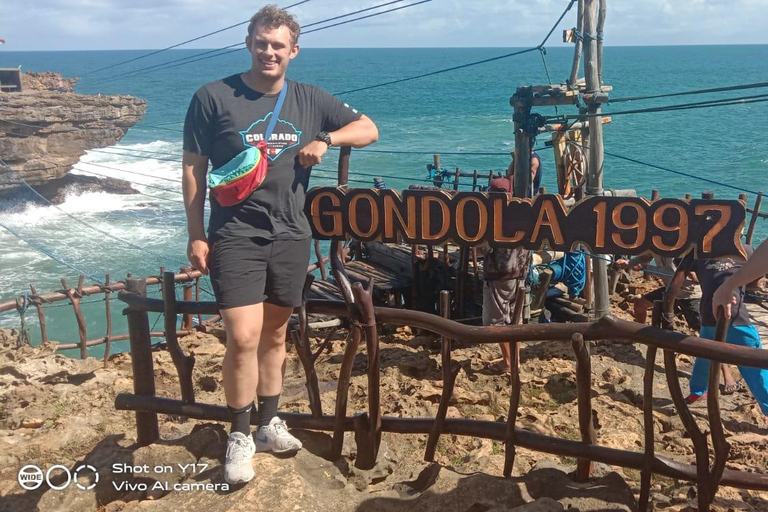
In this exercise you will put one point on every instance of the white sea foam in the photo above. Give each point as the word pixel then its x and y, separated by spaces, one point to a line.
pixel 74 231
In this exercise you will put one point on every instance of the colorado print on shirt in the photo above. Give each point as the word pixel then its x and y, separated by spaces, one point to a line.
pixel 285 136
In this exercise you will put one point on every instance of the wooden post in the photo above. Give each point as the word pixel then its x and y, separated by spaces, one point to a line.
pixel 320 263
pixel 186 320
pixel 584 387
pixel 108 333
pixel 40 313
pixel 755 216
pixel 654 194
pixel 74 298
pixel 436 160
pixel 147 430
pixel 456 179
pixel 599 34
pixel 343 168
pixel 449 380
pixel 184 363
pixel 522 182
pixel 595 170
pixel 578 46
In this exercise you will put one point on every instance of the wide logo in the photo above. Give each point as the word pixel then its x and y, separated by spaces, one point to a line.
pixel 284 137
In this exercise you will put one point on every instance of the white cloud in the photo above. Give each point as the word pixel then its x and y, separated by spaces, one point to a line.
pixel 124 24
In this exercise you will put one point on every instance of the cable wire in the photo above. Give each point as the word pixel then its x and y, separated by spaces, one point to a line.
pixel 740 87
pixel 182 43
pixel 207 54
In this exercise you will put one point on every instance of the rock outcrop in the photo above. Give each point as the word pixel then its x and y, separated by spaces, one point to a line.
pixel 45 129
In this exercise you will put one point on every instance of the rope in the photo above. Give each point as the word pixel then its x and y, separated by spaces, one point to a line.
pixel 22 304
pixel 182 43
pixel 543 52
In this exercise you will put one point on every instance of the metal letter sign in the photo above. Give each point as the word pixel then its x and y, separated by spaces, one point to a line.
pixel 608 225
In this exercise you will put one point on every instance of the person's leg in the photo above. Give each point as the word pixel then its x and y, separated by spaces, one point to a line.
pixel 700 373
pixel 238 275
pixel 755 378
pixel 286 275
pixel 240 378
pixel 644 303
pixel 498 307
pixel 690 310
pixel 240 369
pixel 271 357
pixel 730 386
pixel 641 307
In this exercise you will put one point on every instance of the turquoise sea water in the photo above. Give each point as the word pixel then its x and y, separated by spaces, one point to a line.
pixel 462 111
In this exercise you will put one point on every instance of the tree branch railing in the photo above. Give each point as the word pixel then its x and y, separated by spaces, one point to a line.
pixel 369 425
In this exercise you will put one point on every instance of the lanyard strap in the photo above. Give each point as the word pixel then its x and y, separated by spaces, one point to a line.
pixel 276 112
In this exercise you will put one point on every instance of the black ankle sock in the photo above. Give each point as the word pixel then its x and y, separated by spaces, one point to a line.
pixel 241 419
pixel 267 406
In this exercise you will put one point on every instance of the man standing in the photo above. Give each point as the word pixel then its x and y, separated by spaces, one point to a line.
pixel 257 251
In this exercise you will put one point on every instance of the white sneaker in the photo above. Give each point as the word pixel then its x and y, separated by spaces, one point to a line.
pixel 238 468
pixel 276 438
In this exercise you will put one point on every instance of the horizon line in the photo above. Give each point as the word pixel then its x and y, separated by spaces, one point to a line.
pixel 558 46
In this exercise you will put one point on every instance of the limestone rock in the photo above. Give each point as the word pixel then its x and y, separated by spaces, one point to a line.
pixel 47 128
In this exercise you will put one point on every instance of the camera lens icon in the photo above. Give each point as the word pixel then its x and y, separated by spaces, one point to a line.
pixel 30 477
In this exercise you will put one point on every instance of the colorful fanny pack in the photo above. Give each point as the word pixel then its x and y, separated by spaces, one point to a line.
pixel 234 181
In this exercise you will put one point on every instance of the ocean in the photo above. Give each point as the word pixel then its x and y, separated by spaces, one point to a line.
pixel 463 111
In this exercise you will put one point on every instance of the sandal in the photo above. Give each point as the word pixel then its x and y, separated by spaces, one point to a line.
pixel 500 367
pixel 730 389
pixel 694 398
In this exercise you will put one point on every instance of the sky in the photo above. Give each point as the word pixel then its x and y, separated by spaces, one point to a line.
pixel 150 24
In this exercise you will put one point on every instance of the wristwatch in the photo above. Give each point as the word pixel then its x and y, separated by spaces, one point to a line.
pixel 324 137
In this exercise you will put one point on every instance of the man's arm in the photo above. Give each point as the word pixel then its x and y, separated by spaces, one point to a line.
pixel 754 268
pixel 636 263
pixel 357 134
pixel 194 171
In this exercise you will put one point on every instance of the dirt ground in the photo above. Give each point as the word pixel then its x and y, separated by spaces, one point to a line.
pixel 55 410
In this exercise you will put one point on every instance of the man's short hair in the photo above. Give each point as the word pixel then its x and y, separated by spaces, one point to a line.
pixel 271 16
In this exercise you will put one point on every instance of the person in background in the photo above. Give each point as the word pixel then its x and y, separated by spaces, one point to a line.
pixel 536 171
pixel 504 272
pixel 712 275
pixel 755 268
pixel 688 298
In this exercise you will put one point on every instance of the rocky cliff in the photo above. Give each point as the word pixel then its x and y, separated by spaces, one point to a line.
pixel 45 129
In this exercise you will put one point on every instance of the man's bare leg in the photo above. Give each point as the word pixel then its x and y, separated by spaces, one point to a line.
pixel 271 349
pixel 641 310
pixel 240 376
pixel 272 434
pixel 240 369
pixel 730 386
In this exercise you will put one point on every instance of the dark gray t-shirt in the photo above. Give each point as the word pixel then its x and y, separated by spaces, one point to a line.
pixel 226 117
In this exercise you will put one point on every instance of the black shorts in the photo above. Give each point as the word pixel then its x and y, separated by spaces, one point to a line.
pixel 688 307
pixel 247 271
